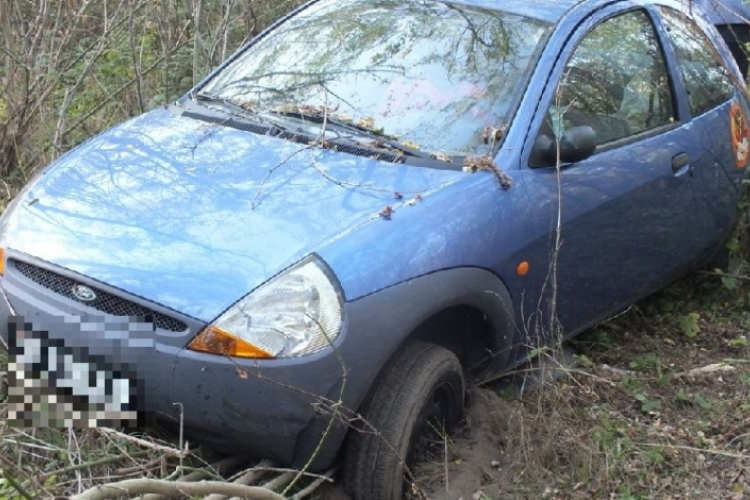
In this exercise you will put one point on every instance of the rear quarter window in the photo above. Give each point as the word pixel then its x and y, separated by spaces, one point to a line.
pixel 706 79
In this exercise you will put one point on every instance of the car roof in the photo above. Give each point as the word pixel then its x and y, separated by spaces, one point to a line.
pixel 545 10
pixel 725 11
pixel 717 11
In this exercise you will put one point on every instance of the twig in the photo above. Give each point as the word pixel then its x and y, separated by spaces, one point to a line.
pixel 334 407
pixel 618 372
pixel 314 485
pixel 255 202
pixel 182 427
pixel 698 450
pixel 445 463
pixel 138 468
pixel 10 464
pixel 722 274
pixel 590 375
pixel 318 168
pixel 117 92
pixel 706 370
pixel 324 477
pixel 247 477
pixel 95 463
pixel 280 481
pixel 146 444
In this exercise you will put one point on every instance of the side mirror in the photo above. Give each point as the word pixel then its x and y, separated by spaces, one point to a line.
pixel 576 144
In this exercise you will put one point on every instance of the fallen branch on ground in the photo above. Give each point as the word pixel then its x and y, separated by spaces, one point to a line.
pixel 95 463
pixel 161 487
pixel 168 450
pixel 706 370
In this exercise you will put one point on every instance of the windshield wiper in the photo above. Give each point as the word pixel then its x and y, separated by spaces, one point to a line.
pixel 238 110
pixel 224 102
pixel 381 140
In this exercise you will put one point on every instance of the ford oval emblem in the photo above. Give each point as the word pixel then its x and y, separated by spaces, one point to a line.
pixel 84 293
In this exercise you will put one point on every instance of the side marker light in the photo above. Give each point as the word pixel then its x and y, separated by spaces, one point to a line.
pixel 522 268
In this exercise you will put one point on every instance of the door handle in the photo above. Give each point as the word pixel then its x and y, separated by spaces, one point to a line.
pixel 681 164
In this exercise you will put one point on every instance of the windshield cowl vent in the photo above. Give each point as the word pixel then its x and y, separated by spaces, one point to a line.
pixel 231 122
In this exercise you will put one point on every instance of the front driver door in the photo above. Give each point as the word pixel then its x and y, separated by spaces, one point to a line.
pixel 626 211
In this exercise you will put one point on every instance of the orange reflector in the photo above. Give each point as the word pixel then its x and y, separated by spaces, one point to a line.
pixel 2 261
pixel 522 268
pixel 217 341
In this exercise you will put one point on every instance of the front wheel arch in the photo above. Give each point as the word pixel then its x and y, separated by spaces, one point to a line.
pixel 438 307
pixel 378 325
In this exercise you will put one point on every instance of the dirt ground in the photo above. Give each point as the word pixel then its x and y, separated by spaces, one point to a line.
pixel 656 406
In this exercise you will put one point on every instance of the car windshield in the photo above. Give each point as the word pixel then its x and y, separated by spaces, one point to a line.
pixel 432 74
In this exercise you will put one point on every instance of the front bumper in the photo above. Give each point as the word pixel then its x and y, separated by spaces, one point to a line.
pixel 275 409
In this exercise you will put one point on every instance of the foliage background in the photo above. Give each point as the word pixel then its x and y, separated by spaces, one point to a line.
pixel 71 68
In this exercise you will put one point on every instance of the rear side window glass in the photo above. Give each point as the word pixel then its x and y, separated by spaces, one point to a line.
pixel 706 80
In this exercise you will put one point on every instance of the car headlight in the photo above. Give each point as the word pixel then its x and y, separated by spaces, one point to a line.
pixel 294 314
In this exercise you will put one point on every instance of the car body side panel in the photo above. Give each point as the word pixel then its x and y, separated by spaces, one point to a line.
pixel 719 181
pixel 718 185
pixel 626 227
pixel 628 220
pixel 472 222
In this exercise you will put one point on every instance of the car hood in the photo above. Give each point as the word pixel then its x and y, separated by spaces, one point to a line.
pixel 194 215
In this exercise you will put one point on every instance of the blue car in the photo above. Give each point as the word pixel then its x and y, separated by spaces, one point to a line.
pixel 307 256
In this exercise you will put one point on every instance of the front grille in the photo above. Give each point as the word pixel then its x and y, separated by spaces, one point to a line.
pixel 104 301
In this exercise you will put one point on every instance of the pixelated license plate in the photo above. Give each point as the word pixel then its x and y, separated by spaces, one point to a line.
pixel 51 384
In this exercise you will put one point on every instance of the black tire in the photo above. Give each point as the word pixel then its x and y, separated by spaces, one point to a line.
pixel 421 388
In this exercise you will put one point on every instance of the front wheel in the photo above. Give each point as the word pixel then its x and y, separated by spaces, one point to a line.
pixel 419 393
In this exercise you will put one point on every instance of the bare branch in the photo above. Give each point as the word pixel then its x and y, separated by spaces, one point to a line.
pixel 161 487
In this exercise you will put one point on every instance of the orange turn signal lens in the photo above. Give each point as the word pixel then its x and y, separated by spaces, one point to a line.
pixel 216 341
pixel 2 261
pixel 523 268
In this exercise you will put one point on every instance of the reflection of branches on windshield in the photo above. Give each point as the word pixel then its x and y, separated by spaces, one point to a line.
pixel 245 86
pixel 259 89
pixel 296 101
pixel 482 35
pixel 321 74
pixel 470 25
pixel 337 96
